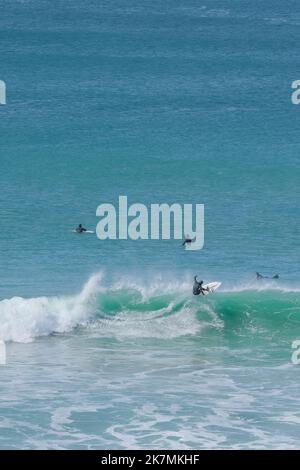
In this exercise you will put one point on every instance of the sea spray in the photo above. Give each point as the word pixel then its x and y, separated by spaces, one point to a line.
pixel 24 319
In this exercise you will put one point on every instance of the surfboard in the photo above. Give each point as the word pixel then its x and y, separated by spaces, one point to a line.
pixel 211 286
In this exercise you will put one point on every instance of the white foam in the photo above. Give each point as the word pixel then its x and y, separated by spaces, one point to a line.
pixel 24 319
pixel 128 324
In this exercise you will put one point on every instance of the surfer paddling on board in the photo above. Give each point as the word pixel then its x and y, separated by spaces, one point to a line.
pixel 80 229
pixel 197 287
pixel 187 240
pixel 260 276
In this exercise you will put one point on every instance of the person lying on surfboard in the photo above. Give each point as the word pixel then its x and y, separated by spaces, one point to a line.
pixel 197 287
pixel 260 276
pixel 80 229
pixel 187 240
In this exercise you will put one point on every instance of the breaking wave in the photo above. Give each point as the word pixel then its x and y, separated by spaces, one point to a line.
pixel 161 310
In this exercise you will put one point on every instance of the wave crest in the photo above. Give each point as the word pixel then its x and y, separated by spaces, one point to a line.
pixel 156 309
pixel 24 319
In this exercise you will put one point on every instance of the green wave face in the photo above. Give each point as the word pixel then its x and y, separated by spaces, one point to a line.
pixel 246 315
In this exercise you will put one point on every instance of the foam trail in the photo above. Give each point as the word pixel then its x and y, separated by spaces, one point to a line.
pixel 150 325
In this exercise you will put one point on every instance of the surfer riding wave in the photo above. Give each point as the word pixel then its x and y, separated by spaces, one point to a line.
pixel 198 287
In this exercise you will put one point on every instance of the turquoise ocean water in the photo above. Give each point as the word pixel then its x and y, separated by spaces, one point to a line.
pixel 162 101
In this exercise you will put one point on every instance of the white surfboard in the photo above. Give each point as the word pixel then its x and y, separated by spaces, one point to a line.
pixel 211 286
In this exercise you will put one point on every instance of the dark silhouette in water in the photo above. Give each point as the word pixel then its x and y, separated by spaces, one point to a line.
pixel 197 287
pixel 80 229
pixel 260 276
pixel 187 240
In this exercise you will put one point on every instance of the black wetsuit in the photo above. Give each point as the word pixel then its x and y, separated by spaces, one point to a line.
pixel 197 287
pixel 80 229
pixel 187 240
pixel 260 276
